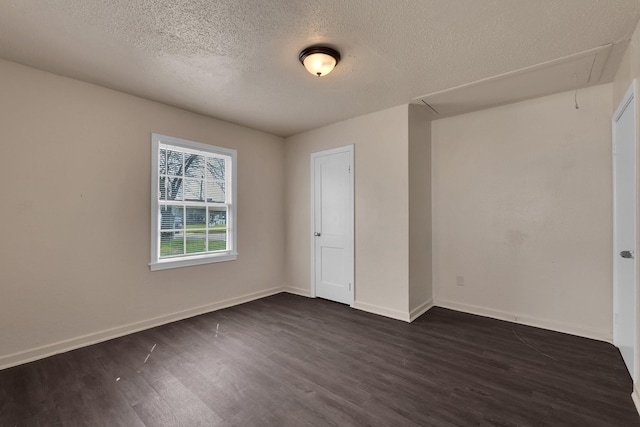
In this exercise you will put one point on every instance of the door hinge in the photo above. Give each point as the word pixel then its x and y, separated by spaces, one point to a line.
pixel 349 168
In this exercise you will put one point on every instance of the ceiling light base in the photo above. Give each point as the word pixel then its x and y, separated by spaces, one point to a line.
pixel 319 60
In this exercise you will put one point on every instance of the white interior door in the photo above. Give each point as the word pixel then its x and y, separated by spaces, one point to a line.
pixel 625 214
pixel 332 224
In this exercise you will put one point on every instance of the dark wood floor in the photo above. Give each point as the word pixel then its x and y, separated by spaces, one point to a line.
pixel 292 361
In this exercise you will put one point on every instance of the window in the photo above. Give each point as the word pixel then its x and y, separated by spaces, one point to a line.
pixel 193 211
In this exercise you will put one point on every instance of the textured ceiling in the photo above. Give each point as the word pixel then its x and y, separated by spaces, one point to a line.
pixel 237 60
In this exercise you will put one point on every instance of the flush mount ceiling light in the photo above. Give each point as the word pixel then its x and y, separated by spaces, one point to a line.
pixel 319 60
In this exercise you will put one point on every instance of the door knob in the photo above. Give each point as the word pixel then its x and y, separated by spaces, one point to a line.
pixel 317 234
pixel 626 254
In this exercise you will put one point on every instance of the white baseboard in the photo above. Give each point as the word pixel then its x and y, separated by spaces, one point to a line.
pixel 636 397
pixel 26 356
pixel 599 335
pixel 297 291
pixel 420 310
pixel 382 311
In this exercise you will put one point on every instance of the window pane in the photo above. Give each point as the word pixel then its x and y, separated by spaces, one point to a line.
pixel 162 161
pixel 215 191
pixel 171 217
pixel 166 218
pixel 174 188
pixel 177 213
pixel 196 217
pixel 217 218
pixel 194 190
pixel 174 163
pixel 170 244
pixel 195 241
pixel 217 240
pixel 162 189
pixel 194 166
pixel 215 168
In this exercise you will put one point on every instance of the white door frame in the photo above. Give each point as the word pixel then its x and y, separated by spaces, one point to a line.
pixel 629 97
pixel 351 254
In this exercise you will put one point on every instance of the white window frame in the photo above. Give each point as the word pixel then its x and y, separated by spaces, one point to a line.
pixel 231 253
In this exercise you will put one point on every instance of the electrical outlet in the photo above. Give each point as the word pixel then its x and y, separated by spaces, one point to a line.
pixel 460 280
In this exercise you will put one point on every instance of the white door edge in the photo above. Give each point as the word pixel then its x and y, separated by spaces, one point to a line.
pixel 349 149
pixel 630 96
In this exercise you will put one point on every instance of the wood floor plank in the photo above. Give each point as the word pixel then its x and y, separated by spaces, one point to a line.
pixel 293 361
pixel 84 394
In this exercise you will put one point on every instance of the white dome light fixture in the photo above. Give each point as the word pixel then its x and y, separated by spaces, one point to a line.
pixel 319 60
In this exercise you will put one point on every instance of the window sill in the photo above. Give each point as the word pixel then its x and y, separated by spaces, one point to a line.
pixel 188 261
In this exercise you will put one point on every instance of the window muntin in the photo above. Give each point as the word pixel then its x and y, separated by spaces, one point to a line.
pixel 193 208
